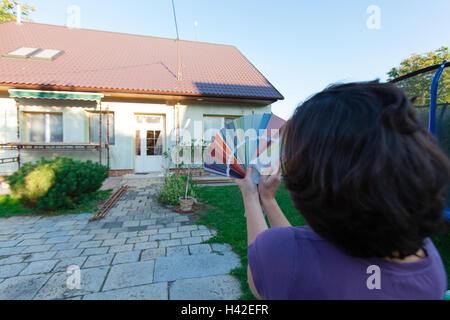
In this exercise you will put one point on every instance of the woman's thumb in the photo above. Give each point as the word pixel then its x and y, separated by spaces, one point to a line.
pixel 249 171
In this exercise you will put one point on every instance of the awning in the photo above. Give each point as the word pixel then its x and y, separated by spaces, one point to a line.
pixel 61 95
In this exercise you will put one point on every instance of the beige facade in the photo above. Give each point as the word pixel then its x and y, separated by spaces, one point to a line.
pixel 74 117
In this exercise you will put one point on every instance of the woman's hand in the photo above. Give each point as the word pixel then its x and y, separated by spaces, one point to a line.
pixel 269 184
pixel 247 186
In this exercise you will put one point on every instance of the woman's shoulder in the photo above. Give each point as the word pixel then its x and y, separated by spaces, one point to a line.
pixel 290 233
pixel 283 242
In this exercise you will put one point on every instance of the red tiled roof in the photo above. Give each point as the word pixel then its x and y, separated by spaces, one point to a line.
pixel 98 60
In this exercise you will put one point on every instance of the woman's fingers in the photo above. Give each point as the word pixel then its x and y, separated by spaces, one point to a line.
pixel 248 174
pixel 264 179
pixel 279 170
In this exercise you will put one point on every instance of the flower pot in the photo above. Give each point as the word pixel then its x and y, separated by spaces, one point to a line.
pixel 186 204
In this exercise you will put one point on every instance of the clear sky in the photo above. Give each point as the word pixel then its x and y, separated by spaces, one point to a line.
pixel 300 46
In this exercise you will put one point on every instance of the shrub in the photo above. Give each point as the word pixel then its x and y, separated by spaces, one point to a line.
pixel 174 188
pixel 56 184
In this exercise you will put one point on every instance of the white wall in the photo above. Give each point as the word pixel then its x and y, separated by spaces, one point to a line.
pixel 190 113
pixel 122 153
pixel 8 131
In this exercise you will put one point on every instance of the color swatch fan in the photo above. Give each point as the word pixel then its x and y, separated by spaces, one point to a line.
pixel 251 140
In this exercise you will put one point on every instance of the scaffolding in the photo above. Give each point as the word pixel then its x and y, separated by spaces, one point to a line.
pixel 59 146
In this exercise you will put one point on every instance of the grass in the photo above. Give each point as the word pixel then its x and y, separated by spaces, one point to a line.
pixel 223 210
pixel 10 206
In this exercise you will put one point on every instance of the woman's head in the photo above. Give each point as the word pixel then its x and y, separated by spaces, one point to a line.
pixel 362 170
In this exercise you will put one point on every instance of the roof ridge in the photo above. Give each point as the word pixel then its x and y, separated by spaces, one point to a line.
pixel 120 33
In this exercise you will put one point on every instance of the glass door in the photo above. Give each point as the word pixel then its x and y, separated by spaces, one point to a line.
pixel 149 143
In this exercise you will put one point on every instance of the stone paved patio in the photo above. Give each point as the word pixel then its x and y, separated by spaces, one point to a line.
pixel 139 251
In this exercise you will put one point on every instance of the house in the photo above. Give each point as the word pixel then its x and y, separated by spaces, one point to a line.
pixel 120 99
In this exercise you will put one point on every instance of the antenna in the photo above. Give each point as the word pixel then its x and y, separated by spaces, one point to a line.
pixel 178 42
pixel 196 30
pixel 175 18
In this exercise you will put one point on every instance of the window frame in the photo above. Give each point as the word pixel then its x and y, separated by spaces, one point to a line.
pixel 112 123
pixel 155 140
pixel 216 116
pixel 46 125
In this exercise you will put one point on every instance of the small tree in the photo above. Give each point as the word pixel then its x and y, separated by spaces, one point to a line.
pixel 419 86
pixel 179 186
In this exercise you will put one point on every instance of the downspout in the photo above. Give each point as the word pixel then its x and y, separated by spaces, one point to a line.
pixel 107 135
pixel 178 123
pixel 99 103
pixel 18 131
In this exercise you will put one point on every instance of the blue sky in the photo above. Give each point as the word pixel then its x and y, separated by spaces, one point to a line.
pixel 300 46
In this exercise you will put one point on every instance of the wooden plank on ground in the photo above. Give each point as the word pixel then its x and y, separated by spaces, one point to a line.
pixel 109 204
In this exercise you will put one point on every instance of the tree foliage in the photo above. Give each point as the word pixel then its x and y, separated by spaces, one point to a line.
pixel 8 11
pixel 419 86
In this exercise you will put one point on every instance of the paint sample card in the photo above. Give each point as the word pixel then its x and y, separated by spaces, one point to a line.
pixel 251 140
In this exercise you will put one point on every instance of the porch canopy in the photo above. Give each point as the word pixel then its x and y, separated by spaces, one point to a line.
pixel 61 95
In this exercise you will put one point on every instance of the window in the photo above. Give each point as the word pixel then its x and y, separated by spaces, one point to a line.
pixel 44 127
pixel 137 142
pixel 47 54
pixel 154 143
pixel 212 125
pixel 94 119
pixel 34 53
pixel 147 119
pixel 21 53
pixel 148 142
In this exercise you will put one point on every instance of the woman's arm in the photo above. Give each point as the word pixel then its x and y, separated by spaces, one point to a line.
pixel 253 211
pixel 267 187
pixel 255 218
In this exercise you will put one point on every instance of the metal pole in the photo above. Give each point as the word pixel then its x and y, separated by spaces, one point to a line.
pixel 107 133
pixel 441 118
pixel 433 98
pixel 178 42
pixel 100 131
pixel 177 128
pixel 18 131
pixel 178 61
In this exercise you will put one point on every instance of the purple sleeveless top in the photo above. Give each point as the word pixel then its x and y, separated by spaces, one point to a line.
pixel 296 263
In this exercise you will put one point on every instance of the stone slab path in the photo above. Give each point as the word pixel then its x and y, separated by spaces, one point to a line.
pixel 139 251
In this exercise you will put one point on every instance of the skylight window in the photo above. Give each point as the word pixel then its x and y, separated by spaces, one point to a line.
pixel 46 54
pixel 22 53
pixel 34 54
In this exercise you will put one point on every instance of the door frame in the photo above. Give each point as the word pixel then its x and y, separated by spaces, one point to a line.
pixel 164 129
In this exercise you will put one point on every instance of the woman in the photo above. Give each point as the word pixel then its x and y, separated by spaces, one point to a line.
pixel 370 182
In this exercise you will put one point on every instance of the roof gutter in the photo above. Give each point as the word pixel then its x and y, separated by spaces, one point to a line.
pixel 142 94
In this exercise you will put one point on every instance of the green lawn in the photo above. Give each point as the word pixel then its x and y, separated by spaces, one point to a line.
pixel 10 206
pixel 224 211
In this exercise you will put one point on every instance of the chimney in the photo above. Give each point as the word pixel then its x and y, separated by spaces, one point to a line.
pixel 19 13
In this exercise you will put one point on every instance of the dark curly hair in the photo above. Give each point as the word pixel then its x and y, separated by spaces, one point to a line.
pixel 363 171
